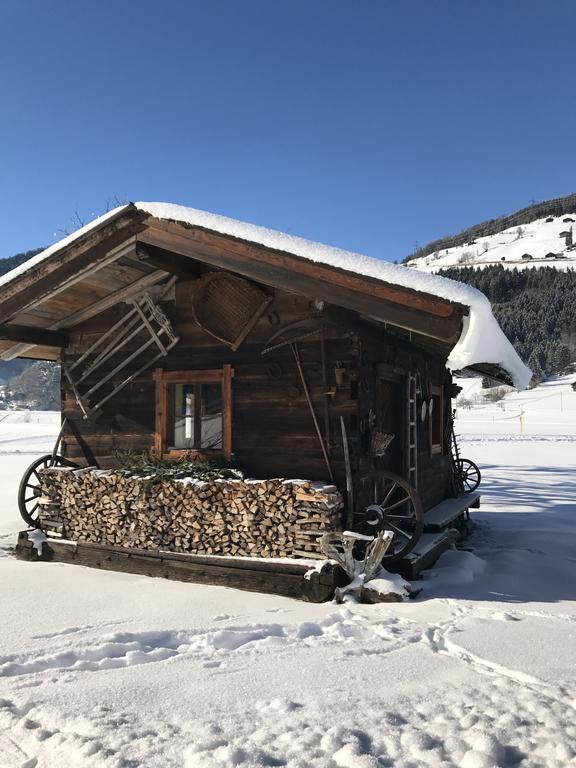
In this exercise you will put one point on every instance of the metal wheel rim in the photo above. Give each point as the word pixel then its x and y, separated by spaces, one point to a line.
pixel 29 490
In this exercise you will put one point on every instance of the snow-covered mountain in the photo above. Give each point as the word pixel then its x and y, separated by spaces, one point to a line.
pixel 549 241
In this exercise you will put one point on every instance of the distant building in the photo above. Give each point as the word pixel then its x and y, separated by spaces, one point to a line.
pixel 526 257
pixel 568 220
pixel 551 255
pixel 550 219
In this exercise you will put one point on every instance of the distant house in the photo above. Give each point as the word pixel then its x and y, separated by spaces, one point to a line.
pixel 503 258
pixel 550 219
pixel 568 235
pixel 574 386
pixel 551 255
pixel 526 257
pixel 568 220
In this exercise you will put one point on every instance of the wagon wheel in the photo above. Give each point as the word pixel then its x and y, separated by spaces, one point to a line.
pixel 29 490
pixel 467 475
pixel 398 507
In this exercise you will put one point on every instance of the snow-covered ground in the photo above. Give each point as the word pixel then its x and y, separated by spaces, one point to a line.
pixel 538 239
pixel 546 410
pixel 104 669
pixel 28 431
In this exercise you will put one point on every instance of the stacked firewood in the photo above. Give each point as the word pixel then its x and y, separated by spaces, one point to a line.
pixel 254 518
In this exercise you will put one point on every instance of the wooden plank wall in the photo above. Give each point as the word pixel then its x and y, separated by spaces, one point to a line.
pixel 273 432
pixel 401 357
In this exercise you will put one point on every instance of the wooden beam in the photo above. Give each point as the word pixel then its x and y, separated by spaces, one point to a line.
pixel 271 257
pixel 117 297
pixel 166 260
pixel 401 307
pixel 34 336
pixel 253 574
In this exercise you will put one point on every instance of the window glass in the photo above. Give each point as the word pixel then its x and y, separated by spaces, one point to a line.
pixel 183 415
pixel 197 416
pixel 211 416
pixel 436 420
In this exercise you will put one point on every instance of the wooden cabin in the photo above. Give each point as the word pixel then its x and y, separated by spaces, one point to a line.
pixel 184 334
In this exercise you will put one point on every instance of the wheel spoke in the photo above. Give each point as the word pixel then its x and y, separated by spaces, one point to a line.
pixel 396 504
pixel 400 531
pixel 389 494
pixel 400 517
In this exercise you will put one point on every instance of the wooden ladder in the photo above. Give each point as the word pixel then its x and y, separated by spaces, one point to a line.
pixel 411 432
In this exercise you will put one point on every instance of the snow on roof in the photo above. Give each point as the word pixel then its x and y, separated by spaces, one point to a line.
pixel 481 341
pixel 26 266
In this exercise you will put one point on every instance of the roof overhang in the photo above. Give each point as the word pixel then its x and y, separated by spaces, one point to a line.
pixel 129 251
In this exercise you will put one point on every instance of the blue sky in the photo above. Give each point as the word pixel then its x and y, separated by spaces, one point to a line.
pixel 367 124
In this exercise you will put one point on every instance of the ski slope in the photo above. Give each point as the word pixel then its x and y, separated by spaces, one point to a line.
pixel 110 670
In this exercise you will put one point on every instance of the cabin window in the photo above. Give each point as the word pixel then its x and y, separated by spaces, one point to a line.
pixel 436 420
pixel 193 413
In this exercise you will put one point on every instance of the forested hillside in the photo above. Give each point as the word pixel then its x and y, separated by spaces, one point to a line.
pixel 559 206
pixel 536 309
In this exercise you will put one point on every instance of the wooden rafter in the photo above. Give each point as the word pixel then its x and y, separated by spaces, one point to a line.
pixel 117 297
pixel 61 271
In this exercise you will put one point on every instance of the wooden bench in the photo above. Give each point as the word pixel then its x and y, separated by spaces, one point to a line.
pixel 443 514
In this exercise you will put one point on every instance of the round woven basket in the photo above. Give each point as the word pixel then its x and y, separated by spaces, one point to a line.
pixel 225 304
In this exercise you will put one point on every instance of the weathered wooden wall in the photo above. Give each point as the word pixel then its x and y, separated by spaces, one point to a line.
pixel 390 356
pixel 273 433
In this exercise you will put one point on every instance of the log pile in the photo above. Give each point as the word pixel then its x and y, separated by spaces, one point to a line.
pixel 254 518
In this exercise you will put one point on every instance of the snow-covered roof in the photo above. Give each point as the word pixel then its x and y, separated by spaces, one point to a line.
pixel 481 341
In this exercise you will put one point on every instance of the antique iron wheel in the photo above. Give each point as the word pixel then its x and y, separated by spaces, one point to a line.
pixel 390 503
pixel 467 475
pixel 29 491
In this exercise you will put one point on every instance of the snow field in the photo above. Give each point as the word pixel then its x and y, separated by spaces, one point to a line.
pixel 547 410
pixel 537 239
pixel 108 670
pixel 28 431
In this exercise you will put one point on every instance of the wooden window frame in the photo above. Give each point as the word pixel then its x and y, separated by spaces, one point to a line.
pixel 437 449
pixel 164 381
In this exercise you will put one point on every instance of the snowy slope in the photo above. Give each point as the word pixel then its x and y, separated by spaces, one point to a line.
pixel 548 409
pixel 109 670
pixel 537 239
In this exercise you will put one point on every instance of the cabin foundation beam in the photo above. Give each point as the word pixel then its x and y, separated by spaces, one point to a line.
pixel 288 579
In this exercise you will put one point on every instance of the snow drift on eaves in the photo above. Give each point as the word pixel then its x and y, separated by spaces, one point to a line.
pixel 481 341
